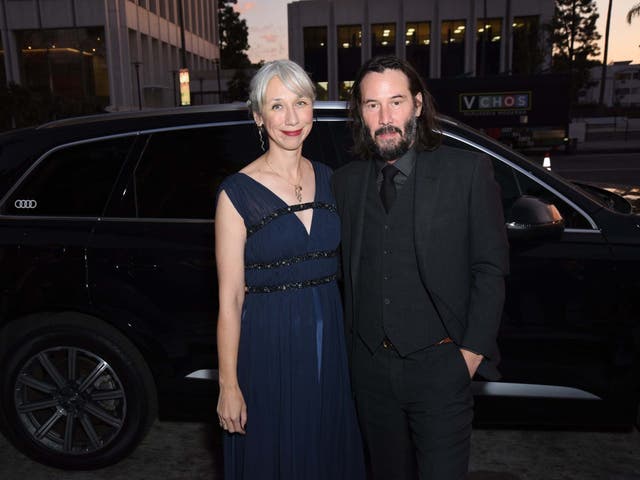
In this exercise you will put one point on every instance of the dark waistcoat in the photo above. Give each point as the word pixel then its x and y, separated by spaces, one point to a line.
pixel 392 300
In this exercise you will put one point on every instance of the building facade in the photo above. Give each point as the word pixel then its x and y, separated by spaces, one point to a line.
pixel 441 38
pixel 106 54
pixel 621 87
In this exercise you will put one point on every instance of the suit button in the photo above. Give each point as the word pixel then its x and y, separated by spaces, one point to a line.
pixel 385 277
pixel 387 301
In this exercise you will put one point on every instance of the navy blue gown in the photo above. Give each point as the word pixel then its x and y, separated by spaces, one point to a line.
pixel 292 365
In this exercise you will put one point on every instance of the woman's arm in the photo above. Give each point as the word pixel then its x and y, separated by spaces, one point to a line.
pixel 231 237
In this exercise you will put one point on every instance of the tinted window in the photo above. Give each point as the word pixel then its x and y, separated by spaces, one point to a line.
pixel 179 172
pixel 514 184
pixel 572 218
pixel 75 181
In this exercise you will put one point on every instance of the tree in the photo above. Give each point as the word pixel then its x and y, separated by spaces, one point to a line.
pixel 234 36
pixel 573 37
pixel 633 12
pixel 238 87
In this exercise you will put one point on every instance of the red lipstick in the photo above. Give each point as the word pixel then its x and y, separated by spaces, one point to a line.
pixel 292 133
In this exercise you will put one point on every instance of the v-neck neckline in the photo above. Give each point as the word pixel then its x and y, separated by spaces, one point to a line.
pixel 281 200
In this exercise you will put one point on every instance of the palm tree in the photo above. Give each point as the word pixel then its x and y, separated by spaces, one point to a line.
pixel 603 75
pixel 633 12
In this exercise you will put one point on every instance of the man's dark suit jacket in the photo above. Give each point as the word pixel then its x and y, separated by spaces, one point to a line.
pixel 460 239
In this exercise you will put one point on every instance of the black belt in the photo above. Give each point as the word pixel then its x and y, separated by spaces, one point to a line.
pixel 387 345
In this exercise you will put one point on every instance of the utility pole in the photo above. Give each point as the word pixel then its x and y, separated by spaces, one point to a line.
pixel 217 62
pixel 183 48
pixel 137 67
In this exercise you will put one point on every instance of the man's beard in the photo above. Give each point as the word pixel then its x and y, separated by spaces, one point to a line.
pixel 395 151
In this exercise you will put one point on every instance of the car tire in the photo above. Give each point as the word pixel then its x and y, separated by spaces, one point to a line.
pixel 75 392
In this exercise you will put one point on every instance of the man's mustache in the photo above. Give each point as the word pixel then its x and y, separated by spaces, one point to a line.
pixel 388 129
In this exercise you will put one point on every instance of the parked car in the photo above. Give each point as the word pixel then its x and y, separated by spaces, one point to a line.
pixel 109 298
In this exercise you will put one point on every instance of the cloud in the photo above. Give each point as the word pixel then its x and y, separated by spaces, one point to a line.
pixel 271 37
pixel 244 7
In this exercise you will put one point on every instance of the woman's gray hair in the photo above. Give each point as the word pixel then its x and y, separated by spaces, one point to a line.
pixel 290 73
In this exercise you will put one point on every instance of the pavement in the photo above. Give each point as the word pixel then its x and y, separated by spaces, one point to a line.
pixel 630 144
pixel 184 450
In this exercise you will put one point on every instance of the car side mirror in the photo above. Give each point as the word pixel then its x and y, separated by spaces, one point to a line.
pixel 530 218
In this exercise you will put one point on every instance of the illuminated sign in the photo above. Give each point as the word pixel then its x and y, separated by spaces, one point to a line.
pixel 514 102
pixel 185 95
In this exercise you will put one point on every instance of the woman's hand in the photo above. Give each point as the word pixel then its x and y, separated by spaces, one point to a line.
pixel 232 410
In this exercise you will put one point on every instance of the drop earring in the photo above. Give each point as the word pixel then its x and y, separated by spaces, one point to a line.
pixel 261 139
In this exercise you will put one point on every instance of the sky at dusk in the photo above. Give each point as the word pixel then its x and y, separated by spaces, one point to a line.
pixel 267 22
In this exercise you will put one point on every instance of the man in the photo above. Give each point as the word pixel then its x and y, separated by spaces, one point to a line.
pixel 424 254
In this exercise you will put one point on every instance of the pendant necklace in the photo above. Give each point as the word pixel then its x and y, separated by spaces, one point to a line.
pixel 297 187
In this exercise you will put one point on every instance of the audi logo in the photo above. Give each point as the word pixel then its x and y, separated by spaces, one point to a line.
pixel 25 204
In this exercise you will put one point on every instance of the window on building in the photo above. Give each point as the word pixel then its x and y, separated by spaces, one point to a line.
pixel 188 15
pixel 162 4
pixel 452 52
pixel 383 39
pixel 418 46
pixel 153 6
pixel 527 52
pixel 3 73
pixel 172 11
pixel 315 58
pixel 488 42
pixel 142 3
pixel 68 64
pixel 349 57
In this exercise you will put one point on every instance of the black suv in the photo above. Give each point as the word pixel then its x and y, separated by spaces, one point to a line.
pixel 108 285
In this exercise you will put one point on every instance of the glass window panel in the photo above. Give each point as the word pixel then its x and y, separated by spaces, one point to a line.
pixel 514 184
pixel 315 58
pixel 418 46
pixel 168 186
pixel 527 52
pixel 452 35
pixel 72 182
pixel 383 39
pixel 488 42
pixel 172 11
pixel 349 57
pixel 68 64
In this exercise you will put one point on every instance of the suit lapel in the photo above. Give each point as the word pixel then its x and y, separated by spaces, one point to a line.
pixel 359 195
pixel 427 180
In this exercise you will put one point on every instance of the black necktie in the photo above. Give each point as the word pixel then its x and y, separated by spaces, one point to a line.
pixel 388 187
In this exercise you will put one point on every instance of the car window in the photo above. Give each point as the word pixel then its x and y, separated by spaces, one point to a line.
pixel 180 170
pixel 72 182
pixel 514 184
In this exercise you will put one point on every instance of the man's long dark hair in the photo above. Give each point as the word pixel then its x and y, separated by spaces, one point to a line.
pixel 428 135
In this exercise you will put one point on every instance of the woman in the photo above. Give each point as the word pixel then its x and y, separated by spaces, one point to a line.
pixel 285 400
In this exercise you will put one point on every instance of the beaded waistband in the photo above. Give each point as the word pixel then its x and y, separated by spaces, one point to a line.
pixel 285 262
pixel 290 286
